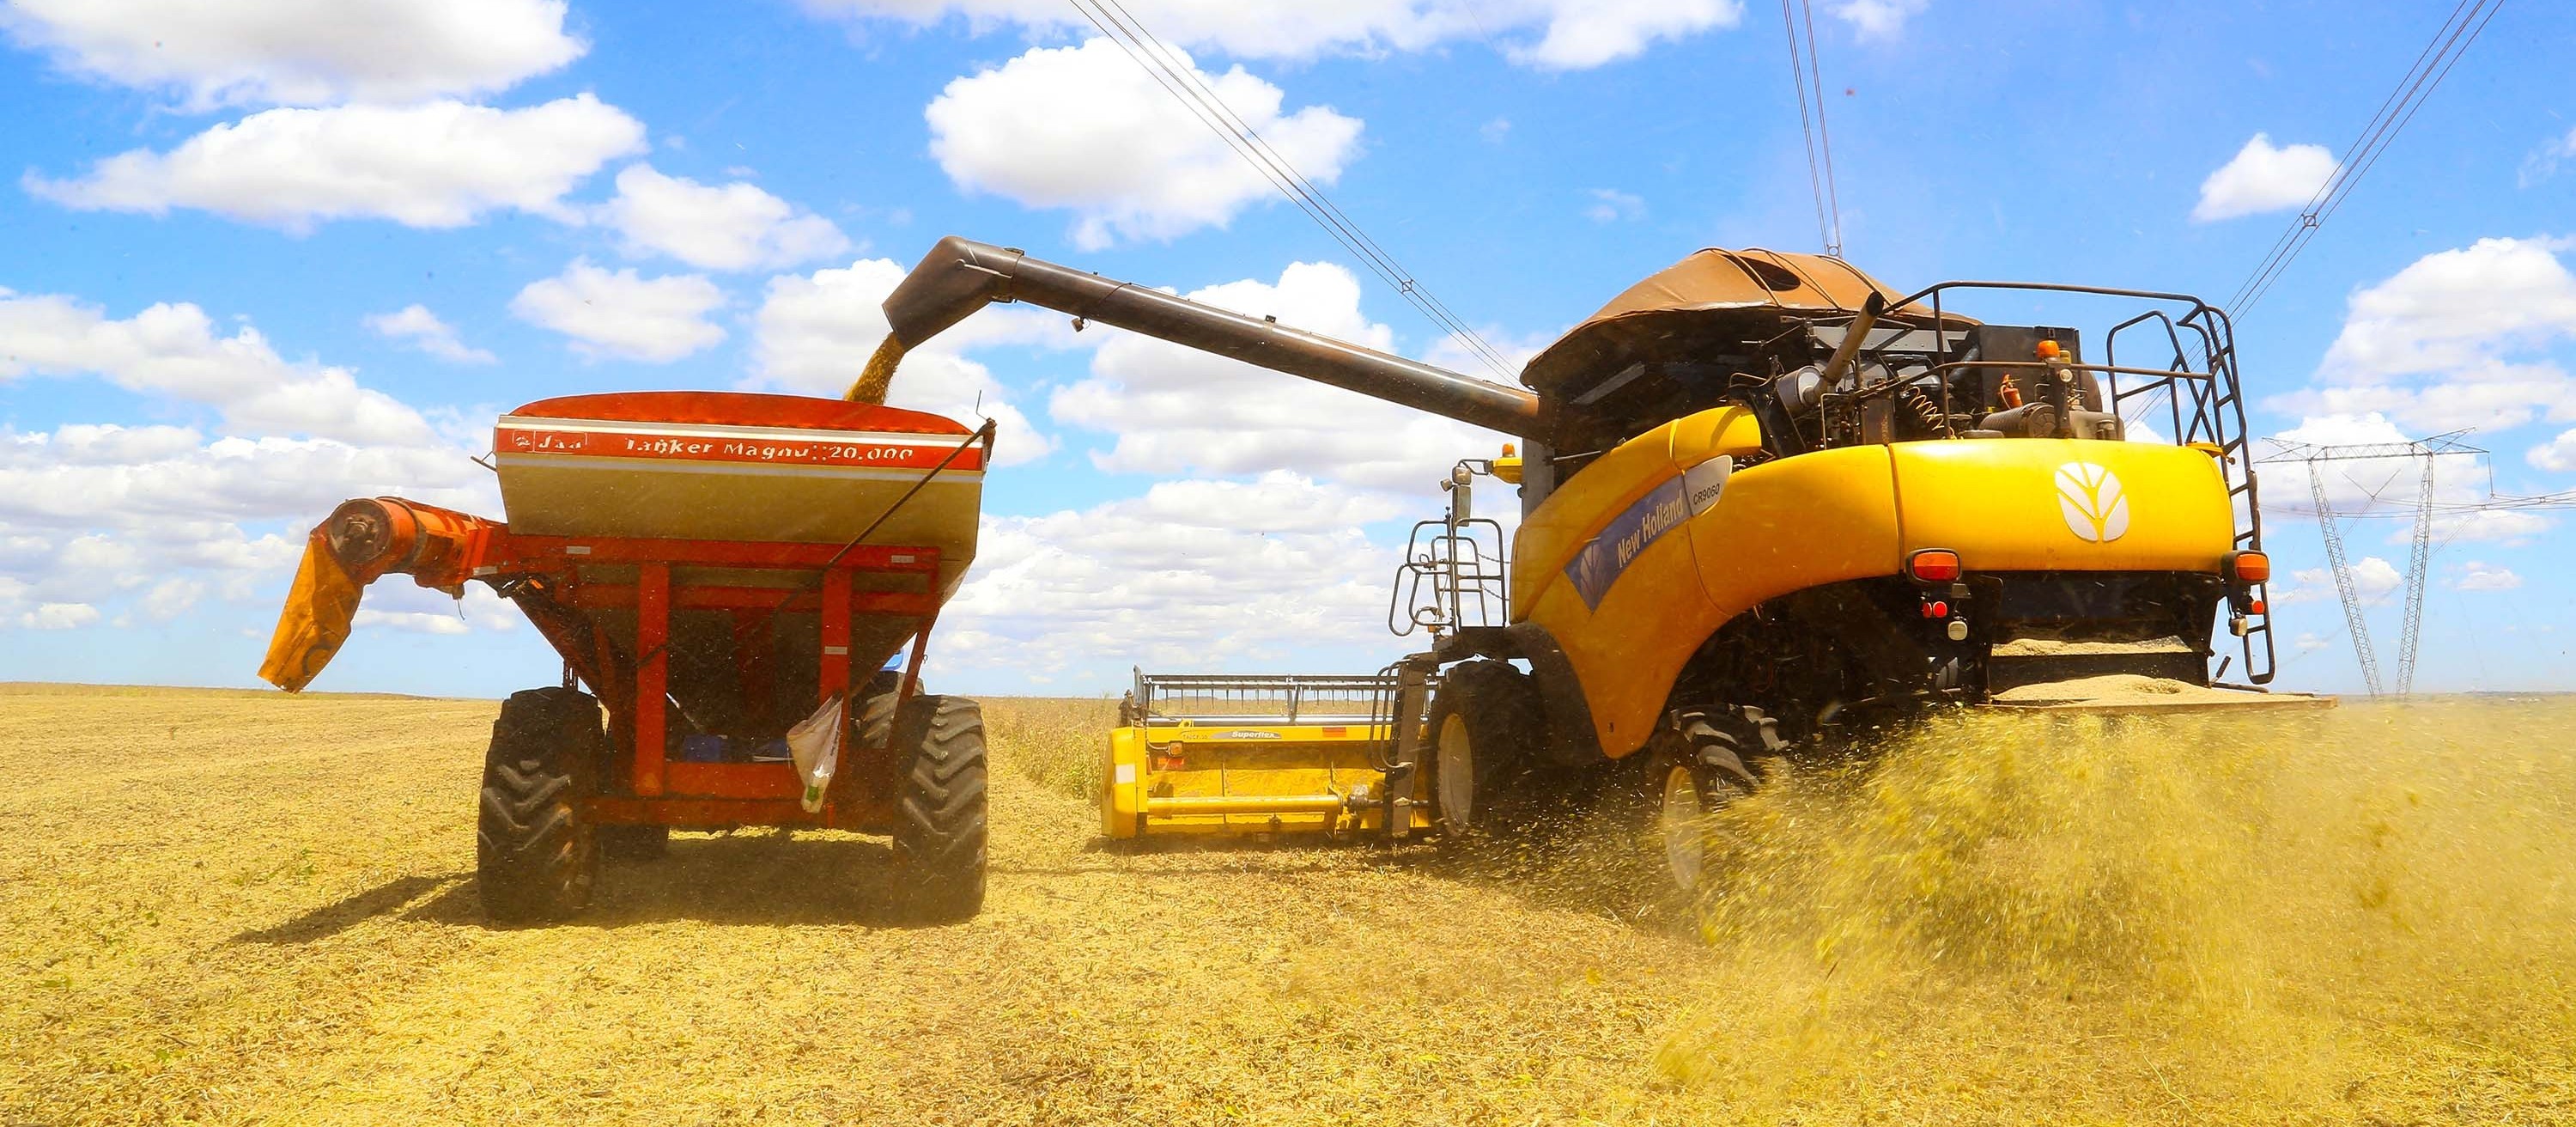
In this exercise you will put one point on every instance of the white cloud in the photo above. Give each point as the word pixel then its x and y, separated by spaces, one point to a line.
pixel 436 164
pixel 2557 454
pixel 174 351
pixel 1549 34
pixel 2456 339
pixel 1610 205
pixel 733 227
pixel 2543 162
pixel 1877 19
pixel 1177 410
pixel 1194 574
pixel 1084 129
pixel 2263 178
pixel 59 616
pixel 655 320
pixel 417 326
pixel 2372 579
pixel 159 517
pixel 415 609
pixel 299 52
pixel 814 332
pixel 2478 575
pixel 172 598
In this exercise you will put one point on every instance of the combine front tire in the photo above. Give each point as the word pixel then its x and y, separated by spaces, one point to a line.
pixel 939 824
pixel 535 852
pixel 1700 764
pixel 1486 724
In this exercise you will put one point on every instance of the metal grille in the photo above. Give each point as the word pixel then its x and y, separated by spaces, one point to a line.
pixel 1204 698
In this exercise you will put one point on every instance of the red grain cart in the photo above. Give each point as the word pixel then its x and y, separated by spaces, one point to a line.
pixel 719 571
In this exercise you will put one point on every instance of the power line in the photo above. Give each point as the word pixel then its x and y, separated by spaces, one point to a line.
pixel 1807 75
pixel 2468 19
pixel 1179 78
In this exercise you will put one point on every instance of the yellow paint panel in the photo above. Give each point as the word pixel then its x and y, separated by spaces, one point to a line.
pixel 1550 537
pixel 2064 504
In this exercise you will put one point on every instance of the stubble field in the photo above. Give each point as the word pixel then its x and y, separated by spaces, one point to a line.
pixel 223 907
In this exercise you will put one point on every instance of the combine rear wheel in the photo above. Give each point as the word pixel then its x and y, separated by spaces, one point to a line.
pixel 1486 775
pixel 939 825
pixel 535 853
pixel 1699 764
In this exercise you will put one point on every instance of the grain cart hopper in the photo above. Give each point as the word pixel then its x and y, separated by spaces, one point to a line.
pixel 1767 504
pixel 721 571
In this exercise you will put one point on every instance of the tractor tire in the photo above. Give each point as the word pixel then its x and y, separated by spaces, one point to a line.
pixel 1488 776
pixel 1698 765
pixel 634 843
pixel 939 832
pixel 535 852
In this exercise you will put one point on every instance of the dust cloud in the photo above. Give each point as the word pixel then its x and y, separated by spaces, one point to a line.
pixel 2357 913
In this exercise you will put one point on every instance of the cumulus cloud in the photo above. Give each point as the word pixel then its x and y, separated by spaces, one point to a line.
pixel 435 164
pixel 814 332
pixel 2372 579
pixel 2263 177
pixel 299 52
pixel 59 616
pixel 735 226
pixel 175 351
pixel 1176 410
pixel 2456 339
pixel 622 315
pixel 157 518
pixel 1084 129
pixel 1548 34
pixel 1877 19
pixel 2556 454
pixel 2478 575
pixel 416 326
pixel 1194 574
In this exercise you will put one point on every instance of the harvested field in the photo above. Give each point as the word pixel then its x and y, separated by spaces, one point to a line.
pixel 235 907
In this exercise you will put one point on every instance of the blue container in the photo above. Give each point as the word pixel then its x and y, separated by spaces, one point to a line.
pixel 702 749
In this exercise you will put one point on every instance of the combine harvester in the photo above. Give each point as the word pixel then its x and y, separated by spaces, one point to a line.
pixel 1766 505
pixel 726 573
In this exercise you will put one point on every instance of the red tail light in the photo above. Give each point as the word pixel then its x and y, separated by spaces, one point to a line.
pixel 1933 565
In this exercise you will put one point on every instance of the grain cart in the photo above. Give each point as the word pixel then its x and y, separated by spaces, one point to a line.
pixel 721 572
pixel 1767 504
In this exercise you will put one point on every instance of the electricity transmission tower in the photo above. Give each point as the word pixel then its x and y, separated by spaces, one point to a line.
pixel 2419 555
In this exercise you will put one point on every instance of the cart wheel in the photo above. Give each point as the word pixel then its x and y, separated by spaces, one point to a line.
pixel 535 854
pixel 939 832
pixel 634 843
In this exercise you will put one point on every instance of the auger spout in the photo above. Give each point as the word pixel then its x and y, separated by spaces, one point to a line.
pixel 960 276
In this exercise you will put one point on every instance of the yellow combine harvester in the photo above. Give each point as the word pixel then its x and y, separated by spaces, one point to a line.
pixel 1767 505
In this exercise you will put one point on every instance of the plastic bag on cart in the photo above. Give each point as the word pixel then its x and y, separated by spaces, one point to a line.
pixel 815 744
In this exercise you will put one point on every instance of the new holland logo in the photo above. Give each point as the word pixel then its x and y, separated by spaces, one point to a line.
pixel 2095 507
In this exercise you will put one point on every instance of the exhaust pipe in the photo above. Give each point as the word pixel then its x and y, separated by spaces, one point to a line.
pixel 960 276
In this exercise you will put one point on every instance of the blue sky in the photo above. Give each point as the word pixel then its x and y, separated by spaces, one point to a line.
pixel 259 260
